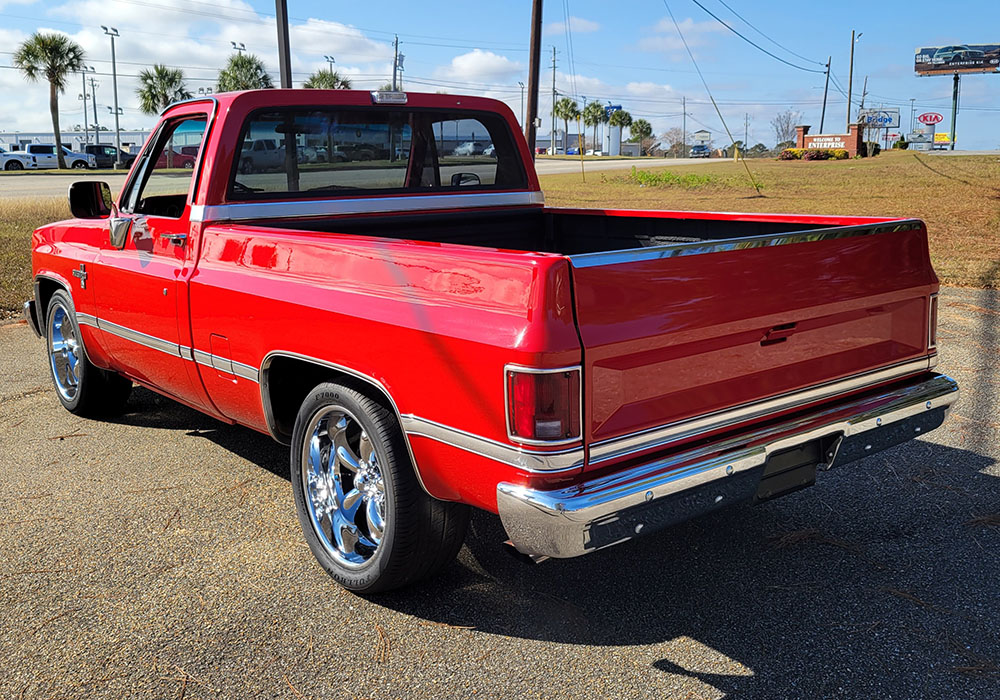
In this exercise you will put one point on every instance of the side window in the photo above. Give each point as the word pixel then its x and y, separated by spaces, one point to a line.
pixel 168 166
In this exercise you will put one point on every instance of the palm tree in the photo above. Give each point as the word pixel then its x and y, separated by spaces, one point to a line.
pixel 327 80
pixel 594 114
pixel 244 72
pixel 641 130
pixel 159 88
pixel 565 109
pixel 53 57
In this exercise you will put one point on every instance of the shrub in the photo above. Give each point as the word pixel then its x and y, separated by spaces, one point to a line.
pixel 791 154
pixel 816 154
pixel 647 178
pixel 901 144
pixel 871 148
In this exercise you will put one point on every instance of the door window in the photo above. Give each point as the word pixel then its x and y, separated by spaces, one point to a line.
pixel 162 187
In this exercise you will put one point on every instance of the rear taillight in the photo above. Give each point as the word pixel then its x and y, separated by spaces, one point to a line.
pixel 932 322
pixel 543 405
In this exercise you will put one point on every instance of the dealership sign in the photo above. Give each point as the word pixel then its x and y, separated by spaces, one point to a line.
pixel 957 58
pixel 880 118
pixel 930 118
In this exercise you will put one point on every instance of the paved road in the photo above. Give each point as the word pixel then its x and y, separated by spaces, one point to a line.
pixel 159 556
pixel 22 185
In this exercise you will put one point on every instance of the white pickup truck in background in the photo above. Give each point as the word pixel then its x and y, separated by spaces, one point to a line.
pixel 16 161
pixel 45 154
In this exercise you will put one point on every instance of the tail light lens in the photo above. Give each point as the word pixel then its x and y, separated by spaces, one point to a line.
pixel 932 322
pixel 543 405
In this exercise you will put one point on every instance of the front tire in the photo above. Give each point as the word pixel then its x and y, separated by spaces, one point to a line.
pixel 364 515
pixel 79 165
pixel 13 165
pixel 82 388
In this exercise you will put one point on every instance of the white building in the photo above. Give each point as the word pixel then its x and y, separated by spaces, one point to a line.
pixel 74 140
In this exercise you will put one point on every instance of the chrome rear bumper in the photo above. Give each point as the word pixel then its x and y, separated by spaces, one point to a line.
pixel 614 508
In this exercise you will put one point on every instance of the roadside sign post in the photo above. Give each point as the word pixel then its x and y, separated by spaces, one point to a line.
pixel 954 110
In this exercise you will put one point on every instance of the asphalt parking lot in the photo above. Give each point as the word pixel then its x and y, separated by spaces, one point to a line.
pixel 159 556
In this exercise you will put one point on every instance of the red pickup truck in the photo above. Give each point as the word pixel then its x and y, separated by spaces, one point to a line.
pixel 427 336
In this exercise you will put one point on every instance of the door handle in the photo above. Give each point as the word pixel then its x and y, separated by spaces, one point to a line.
pixel 178 239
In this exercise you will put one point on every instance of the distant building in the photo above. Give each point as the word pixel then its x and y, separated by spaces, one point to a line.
pixel 74 140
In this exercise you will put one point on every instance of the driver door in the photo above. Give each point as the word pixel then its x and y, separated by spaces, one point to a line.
pixel 140 283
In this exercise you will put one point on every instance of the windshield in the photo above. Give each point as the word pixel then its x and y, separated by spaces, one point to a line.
pixel 312 151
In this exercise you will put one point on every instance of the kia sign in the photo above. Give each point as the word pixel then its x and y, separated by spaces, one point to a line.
pixel 957 58
pixel 930 118
pixel 880 118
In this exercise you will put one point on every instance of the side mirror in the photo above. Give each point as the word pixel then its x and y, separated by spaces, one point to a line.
pixel 460 179
pixel 90 200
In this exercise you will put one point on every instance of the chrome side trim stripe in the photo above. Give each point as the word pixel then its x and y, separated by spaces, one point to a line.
pixel 528 460
pixel 675 250
pixel 143 339
pixel 222 364
pixel 654 438
pixel 246 211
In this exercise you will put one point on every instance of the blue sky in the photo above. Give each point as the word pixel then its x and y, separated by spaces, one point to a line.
pixel 627 53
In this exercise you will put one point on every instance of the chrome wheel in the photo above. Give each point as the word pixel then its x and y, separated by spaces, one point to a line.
pixel 64 353
pixel 344 487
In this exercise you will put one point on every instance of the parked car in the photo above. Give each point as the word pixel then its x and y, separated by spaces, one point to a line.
pixel 45 155
pixel 259 155
pixel 589 375
pixel 16 160
pixel 469 148
pixel 490 151
pixel 105 156
pixel 699 150
pixel 175 159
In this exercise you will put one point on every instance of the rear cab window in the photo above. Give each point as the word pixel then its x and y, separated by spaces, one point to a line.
pixel 299 152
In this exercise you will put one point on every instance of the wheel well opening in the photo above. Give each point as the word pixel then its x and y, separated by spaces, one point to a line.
pixel 46 288
pixel 287 381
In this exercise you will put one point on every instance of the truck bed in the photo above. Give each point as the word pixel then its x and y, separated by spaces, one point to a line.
pixel 683 315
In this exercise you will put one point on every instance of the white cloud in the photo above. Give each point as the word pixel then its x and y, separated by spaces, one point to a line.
pixel 649 89
pixel 576 24
pixel 664 36
pixel 7 3
pixel 480 66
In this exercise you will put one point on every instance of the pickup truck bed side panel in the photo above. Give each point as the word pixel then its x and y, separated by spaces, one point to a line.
pixel 668 338
pixel 433 324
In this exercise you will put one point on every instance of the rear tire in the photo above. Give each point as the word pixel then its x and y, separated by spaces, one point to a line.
pixel 366 518
pixel 82 388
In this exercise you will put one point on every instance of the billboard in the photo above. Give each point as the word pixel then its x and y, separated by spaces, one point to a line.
pixel 957 58
pixel 887 118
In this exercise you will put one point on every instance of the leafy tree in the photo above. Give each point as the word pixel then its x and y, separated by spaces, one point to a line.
pixel 327 80
pixel 565 109
pixel 52 57
pixel 757 151
pixel 160 87
pixel 673 139
pixel 784 125
pixel 594 114
pixel 244 71
pixel 620 118
pixel 641 130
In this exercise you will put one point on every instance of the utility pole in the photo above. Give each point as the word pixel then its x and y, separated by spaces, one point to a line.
pixel 83 96
pixel 284 54
pixel 746 129
pixel 552 131
pixel 850 84
pixel 534 64
pixel 395 59
pixel 912 109
pixel 684 128
pixel 826 89
pixel 112 32
pixel 522 103
pixel 93 94
pixel 954 110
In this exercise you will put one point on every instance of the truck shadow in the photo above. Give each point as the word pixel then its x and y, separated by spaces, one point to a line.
pixel 876 575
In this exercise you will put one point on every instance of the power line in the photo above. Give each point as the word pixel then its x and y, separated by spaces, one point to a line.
pixel 751 42
pixel 785 48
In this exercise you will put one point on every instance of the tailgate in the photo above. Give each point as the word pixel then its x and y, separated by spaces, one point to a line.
pixel 680 331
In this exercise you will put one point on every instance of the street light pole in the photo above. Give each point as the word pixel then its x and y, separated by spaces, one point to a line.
pixel 329 62
pixel 826 89
pixel 93 95
pixel 83 96
pixel 112 32
pixel 522 102
pixel 850 79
